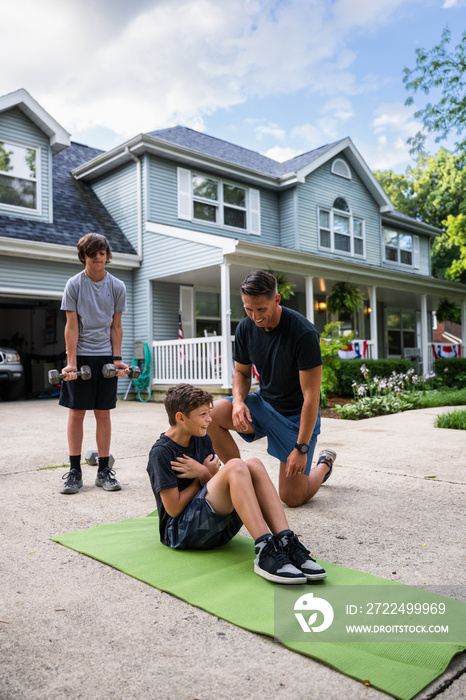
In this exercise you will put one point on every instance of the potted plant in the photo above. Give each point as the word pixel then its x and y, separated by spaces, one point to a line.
pixel 345 297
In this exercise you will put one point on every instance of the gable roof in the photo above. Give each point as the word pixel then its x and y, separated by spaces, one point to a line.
pixel 194 148
pixel 223 150
pixel 76 209
pixel 58 136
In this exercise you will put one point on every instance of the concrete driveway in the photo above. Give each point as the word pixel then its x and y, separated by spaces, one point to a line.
pixel 73 627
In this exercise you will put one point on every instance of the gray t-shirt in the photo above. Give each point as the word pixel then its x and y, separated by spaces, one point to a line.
pixel 95 304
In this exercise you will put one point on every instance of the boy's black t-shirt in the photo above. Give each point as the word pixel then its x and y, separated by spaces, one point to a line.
pixel 162 476
pixel 279 355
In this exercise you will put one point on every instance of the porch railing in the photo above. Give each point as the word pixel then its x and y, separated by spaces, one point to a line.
pixel 191 360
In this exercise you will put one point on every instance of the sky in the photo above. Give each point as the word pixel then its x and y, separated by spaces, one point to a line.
pixel 280 77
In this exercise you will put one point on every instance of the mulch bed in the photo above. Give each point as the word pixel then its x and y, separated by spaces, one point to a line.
pixel 329 411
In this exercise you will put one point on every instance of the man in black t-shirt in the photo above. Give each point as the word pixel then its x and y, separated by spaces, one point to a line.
pixel 284 348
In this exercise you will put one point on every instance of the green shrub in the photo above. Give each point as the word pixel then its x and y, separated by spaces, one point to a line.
pixel 330 343
pixel 450 373
pixel 369 406
pixel 350 371
pixel 455 420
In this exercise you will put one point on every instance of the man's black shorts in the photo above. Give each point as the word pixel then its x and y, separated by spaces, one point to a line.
pixel 95 393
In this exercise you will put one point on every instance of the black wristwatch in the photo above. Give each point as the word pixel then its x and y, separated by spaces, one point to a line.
pixel 116 357
pixel 302 447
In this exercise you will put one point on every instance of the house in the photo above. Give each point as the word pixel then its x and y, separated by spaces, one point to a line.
pixel 188 216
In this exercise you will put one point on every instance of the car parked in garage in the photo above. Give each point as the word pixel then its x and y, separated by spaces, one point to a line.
pixel 11 374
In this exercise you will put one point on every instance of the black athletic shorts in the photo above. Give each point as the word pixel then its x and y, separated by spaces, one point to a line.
pixel 95 393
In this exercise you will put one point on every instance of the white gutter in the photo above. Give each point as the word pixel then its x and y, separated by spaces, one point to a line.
pixel 64 253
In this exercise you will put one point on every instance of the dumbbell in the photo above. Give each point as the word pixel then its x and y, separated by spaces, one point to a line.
pixel 92 459
pixel 110 371
pixel 55 376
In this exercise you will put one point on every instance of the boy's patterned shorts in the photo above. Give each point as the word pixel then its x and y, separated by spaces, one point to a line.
pixel 198 527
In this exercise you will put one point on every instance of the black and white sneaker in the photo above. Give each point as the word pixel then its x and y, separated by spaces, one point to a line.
pixel 272 564
pixel 107 481
pixel 73 482
pixel 327 457
pixel 300 556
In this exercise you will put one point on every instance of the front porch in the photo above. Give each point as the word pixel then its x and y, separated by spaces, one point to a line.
pixel 395 320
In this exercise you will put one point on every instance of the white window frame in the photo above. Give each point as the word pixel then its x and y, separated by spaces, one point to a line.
pixel 186 199
pixel 36 180
pixel 341 164
pixel 414 250
pixel 331 211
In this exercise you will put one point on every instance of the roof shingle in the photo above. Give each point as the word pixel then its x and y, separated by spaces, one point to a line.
pixel 76 208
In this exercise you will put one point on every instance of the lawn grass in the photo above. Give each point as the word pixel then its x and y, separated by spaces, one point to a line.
pixel 442 397
pixel 456 420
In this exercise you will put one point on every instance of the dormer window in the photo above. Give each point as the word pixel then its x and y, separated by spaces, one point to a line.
pixel 340 167
pixel 340 231
pixel 18 176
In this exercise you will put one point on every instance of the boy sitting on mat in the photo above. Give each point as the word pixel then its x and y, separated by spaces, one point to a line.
pixel 202 505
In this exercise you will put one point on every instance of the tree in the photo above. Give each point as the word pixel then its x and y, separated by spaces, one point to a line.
pixel 444 70
pixel 434 191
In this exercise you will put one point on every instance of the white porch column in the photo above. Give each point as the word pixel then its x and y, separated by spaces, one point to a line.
pixel 309 298
pixel 373 321
pixel 424 338
pixel 227 359
pixel 463 328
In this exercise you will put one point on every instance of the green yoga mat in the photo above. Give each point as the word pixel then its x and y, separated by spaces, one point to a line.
pixel 221 581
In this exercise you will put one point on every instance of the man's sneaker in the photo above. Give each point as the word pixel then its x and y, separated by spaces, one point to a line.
pixel 327 457
pixel 299 556
pixel 106 479
pixel 73 482
pixel 272 564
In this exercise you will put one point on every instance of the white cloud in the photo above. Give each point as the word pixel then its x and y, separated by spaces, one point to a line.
pixel 340 107
pixel 270 130
pixel 392 126
pixel 453 3
pixel 281 153
pixel 138 66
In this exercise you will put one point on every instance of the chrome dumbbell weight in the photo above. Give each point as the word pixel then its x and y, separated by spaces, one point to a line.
pixel 55 376
pixel 110 371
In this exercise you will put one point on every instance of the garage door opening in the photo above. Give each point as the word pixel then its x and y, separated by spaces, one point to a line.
pixel 35 329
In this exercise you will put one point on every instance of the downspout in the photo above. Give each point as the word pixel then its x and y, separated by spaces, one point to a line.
pixel 139 196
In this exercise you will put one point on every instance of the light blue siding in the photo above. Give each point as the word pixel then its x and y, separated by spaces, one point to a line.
pixel 118 193
pixel 288 218
pixel 165 256
pixel 162 205
pixel 17 128
pixel 321 189
pixel 165 308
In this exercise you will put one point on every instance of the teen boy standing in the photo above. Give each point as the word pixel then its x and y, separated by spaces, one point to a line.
pixel 94 301
pixel 202 506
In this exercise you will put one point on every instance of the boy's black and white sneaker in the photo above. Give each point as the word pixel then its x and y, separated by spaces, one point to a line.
pixel 327 457
pixel 272 564
pixel 73 482
pixel 300 556
pixel 107 481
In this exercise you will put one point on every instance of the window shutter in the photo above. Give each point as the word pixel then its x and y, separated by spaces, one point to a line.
pixel 184 194
pixel 254 212
pixel 416 254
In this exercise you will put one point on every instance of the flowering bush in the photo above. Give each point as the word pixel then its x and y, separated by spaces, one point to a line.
pixel 379 396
